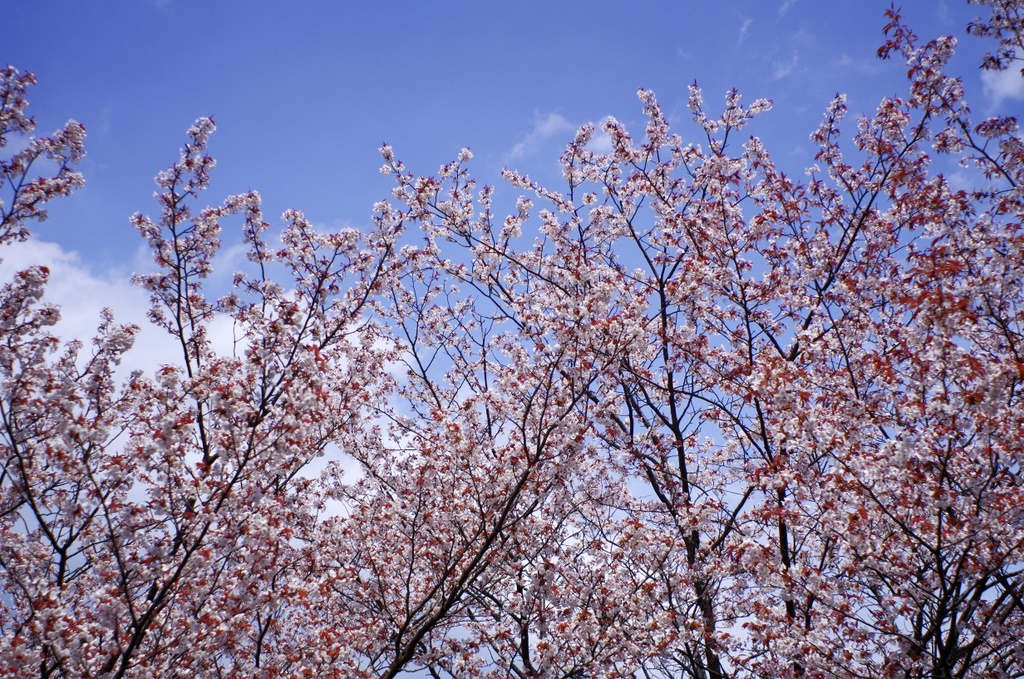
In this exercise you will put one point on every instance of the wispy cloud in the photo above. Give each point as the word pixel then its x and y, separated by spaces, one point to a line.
pixel 783 67
pixel 744 28
pixel 861 65
pixel 104 121
pixel 786 6
pixel 545 127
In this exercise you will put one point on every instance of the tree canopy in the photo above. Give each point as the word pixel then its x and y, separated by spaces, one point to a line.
pixel 682 416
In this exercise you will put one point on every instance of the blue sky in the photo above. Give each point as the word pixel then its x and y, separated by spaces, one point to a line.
pixel 304 93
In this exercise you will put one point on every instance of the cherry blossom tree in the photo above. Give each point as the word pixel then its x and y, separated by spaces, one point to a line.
pixel 686 415
pixel 818 383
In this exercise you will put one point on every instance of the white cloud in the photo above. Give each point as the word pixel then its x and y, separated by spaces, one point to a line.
pixel 786 6
pixel 82 295
pixel 1000 85
pixel 601 142
pixel 227 261
pixel 545 127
